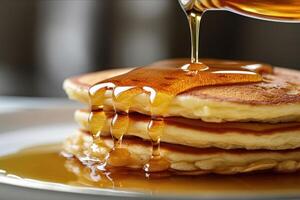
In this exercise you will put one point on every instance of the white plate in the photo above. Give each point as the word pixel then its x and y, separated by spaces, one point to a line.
pixel 27 122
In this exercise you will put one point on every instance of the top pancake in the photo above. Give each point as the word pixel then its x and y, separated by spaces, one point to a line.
pixel 276 99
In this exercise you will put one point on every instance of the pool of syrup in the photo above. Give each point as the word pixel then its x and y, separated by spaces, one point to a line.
pixel 45 163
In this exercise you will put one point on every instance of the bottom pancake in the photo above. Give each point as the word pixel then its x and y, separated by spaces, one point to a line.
pixel 182 159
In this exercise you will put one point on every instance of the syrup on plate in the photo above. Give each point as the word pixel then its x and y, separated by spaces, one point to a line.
pixel 45 163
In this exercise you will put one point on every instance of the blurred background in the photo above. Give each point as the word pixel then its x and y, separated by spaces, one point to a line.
pixel 44 41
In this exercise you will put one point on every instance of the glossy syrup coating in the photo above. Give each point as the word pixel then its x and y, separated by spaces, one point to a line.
pixel 160 82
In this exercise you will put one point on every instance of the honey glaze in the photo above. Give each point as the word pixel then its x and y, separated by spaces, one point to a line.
pixel 161 83
pixel 45 163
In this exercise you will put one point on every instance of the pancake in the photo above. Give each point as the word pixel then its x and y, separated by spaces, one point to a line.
pixel 199 134
pixel 276 99
pixel 185 160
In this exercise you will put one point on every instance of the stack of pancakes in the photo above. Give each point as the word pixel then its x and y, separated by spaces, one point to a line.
pixel 225 129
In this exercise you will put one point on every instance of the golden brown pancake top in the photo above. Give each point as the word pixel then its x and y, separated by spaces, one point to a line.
pixel 282 87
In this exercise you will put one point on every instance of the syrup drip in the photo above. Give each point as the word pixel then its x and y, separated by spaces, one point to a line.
pixel 157 163
pixel 97 120
pixel 194 18
pixel 119 156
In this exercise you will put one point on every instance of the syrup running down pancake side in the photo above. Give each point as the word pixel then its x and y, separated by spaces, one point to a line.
pixel 160 82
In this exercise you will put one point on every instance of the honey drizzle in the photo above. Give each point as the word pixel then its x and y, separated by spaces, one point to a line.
pixel 194 19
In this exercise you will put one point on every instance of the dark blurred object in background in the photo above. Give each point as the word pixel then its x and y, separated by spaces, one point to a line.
pixel 44 41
